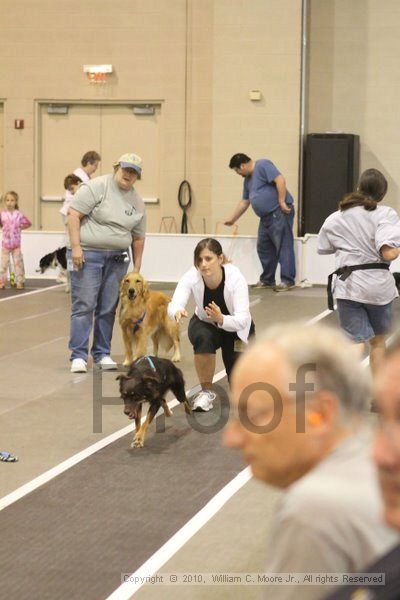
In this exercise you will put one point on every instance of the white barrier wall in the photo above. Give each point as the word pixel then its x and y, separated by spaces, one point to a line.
pixel 167 256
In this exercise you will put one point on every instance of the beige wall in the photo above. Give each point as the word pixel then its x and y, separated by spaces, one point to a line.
pixel 199 58
pixel 354 79
pixel 256 46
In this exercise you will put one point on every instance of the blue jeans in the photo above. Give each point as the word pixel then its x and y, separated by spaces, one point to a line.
pixel 94 293
pixel 275 245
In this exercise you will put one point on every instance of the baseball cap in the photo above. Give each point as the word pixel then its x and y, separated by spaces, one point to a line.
pixel 130 161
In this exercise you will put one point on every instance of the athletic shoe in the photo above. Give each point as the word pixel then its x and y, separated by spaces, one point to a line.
pixel 284 287
pixel 107 364
pixel 263 284
pixel 78 365
pixel 204 401
pixel 7 457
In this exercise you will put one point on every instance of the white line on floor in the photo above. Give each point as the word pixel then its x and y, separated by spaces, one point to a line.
pixel 389 340
pixel 31 317
pixel 25 294
pixel 181 537
pixel 256 300
pixel 60 468
pixel 64 337
pixel 321 316
pixel 76 458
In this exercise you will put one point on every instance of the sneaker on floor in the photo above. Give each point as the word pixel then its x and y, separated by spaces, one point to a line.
pixel 107 364
pixel 284 287
pixel 263 284
pixel 204 401
pixel 78 365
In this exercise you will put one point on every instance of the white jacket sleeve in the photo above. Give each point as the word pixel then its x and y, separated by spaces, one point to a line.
pixel 241 318
pixel 181 295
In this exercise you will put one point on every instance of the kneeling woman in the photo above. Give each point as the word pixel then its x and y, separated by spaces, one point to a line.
pixel 222 317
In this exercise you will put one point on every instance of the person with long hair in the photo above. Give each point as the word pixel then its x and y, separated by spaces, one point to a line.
pixel 222 316
pixel 12 221
pixel 365 237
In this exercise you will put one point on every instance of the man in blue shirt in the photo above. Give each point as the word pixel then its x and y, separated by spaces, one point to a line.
pixel 265 189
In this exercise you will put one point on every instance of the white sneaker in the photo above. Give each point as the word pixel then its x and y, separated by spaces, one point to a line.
pixel 78 365
pixel 204 401
pixel 107 364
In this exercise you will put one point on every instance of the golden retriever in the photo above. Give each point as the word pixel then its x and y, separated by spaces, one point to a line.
pixel 143 313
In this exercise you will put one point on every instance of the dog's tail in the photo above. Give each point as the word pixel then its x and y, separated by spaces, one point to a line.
pixel 165 340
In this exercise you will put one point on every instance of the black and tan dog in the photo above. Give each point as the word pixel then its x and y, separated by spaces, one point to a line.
pixel 143 314
pixel 148 380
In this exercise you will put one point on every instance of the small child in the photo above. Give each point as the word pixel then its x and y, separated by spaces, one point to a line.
pixel 12 221
pixel 71 184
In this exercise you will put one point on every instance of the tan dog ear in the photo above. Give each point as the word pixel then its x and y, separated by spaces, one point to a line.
pixel 145 289
pixel 121 285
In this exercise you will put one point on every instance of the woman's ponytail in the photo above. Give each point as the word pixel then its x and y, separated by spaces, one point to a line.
pixel 357 199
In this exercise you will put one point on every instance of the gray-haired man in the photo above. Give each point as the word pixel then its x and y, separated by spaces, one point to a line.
pixel 300 394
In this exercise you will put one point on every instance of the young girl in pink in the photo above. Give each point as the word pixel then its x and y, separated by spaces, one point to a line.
pixel 12 221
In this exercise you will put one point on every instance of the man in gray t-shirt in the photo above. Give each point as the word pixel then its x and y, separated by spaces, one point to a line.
pixel 105 218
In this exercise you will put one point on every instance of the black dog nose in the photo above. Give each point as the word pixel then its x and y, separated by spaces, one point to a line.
pixel 131 293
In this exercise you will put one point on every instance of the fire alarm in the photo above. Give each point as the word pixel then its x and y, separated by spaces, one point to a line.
pixel 255 95
pixel 18 124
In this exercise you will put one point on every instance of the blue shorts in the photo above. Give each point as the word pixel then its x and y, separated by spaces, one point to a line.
pixel 362 321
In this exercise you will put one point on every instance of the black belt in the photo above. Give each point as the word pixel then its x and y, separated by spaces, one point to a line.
pixel 344 272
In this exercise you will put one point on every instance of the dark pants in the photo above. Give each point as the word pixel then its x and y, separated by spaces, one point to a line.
pixel 275 244
pixel 206 339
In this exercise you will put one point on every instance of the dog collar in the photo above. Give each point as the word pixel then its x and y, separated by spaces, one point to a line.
pixel 148 360
pixel 139 322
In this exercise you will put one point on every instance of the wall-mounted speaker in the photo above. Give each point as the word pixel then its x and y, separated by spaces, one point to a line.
pixel 331 170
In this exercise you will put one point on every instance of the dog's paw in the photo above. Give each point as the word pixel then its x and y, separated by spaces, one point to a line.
pixel 137 443
pixel 126 362
pixel 176 357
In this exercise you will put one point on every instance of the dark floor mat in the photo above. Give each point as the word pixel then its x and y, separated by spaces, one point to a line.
pixel 73 537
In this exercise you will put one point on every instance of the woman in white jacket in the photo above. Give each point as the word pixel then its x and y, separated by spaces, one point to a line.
pixel 222 316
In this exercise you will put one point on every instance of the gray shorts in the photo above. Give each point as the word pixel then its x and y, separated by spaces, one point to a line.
pixel 362 321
